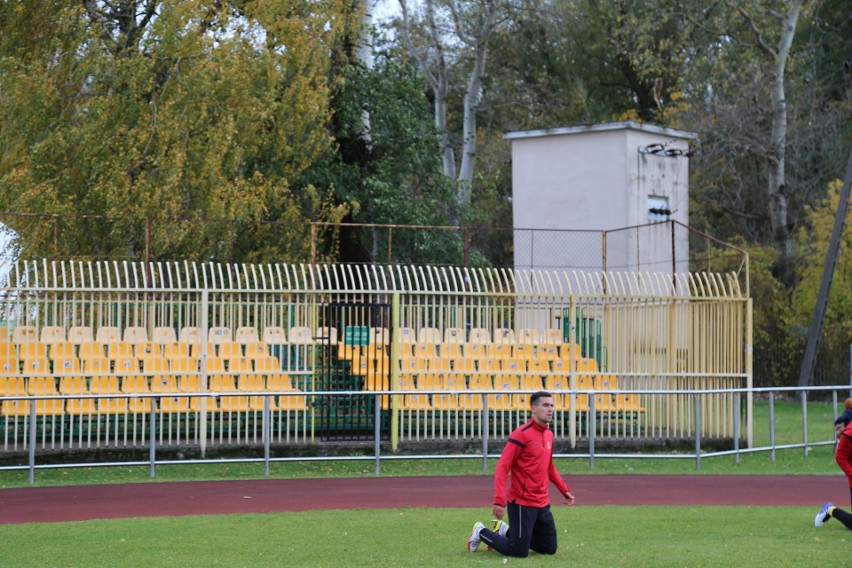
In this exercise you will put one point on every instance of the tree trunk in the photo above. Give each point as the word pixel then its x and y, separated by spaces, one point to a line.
pixel 364 53
pixel 471 104
pixel 448 155
pixel 777 190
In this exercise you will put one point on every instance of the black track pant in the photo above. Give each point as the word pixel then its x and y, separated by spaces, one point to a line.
pixel 842 516
pixel 530 528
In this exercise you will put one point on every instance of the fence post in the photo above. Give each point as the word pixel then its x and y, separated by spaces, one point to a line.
pixel 593 421
pixel 202 428
pixel 485 432
pixel 697 409
pixel 834 406
pixel 736 413
pixel 267 435
pixel 32 442
pixel 152 435
pixel 805 449
pixel 377 430
pixel 772 426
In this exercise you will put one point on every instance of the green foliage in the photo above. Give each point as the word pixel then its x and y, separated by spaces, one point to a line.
pixel 391 171
pixel 813 242
pixel 204 111
pixel 776 345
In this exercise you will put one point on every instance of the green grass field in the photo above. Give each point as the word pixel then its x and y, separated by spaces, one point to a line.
pixel 589 536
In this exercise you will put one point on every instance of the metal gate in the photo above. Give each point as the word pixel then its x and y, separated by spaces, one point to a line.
pixel 352 354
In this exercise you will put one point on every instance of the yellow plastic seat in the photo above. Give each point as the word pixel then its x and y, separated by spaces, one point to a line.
pixel 67 366
pixel 80 334
pixel 200 403
pixel 300 335
pixel 119 349
pixel 124 366
pixel 504 336
pixel 229 350
pixel 176 350
pixel 451 350
pixel 174 405
pixel 24 334
pixel 479 336
pixel 135 334
pixel 90 350
pixel 107 334
pixel 148 350
pixel 246 335
pixel 292 403
pixel 502 401
pixel 256 350
pixel 35 366
pixel 76 385
pixel 61 349
pixel 163 335
pixel 52 334
pixel 219 335
pixel 14 386
pixel 109 405
pixel 274 335
pixel 32 350
pixel 139 385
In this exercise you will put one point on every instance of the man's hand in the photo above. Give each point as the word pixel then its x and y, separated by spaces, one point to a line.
pixel 498 512
pixel 569 498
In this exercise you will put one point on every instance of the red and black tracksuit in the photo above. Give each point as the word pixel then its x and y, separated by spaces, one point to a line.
pixel 843 457
pixel 527 464
pixel 843 453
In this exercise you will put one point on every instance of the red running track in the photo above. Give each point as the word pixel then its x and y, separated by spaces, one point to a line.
pixel 77 503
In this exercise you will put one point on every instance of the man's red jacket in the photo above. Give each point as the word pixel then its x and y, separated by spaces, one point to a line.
pixel 528 457
pixel 843 454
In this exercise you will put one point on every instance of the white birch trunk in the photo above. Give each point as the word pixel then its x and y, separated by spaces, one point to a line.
pixel 471 104
pixel 777 190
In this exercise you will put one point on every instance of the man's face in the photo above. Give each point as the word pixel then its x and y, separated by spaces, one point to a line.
pixel 542 412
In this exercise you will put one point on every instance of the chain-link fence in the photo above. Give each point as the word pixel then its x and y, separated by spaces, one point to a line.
pixel 666 247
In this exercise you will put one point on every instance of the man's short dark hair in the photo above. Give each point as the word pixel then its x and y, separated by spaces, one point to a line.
pixel 537 395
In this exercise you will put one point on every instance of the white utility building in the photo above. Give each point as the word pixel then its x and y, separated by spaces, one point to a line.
pixel 602 178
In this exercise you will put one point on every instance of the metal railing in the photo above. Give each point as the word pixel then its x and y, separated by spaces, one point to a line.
pixel 482 434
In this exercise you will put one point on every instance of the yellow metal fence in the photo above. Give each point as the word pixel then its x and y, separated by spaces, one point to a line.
pixel 86 347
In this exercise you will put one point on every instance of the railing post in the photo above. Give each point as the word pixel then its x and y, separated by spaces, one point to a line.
pixel 32 443
pixel 772 426
pixel 593 421
pixel 266 435
pixel 202 428
pixel 377 431
pixel 736 413
pixel 485 432
pixel 834 405
pixel 152 439
pixel 697 412
pixel 804 396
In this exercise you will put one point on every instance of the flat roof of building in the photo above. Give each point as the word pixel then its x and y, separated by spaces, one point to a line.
pixel 604 127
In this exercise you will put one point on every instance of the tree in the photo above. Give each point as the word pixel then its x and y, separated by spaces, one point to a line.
pixel 392 176
pixel 163 108
pixel 759 36
pixel 451 38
